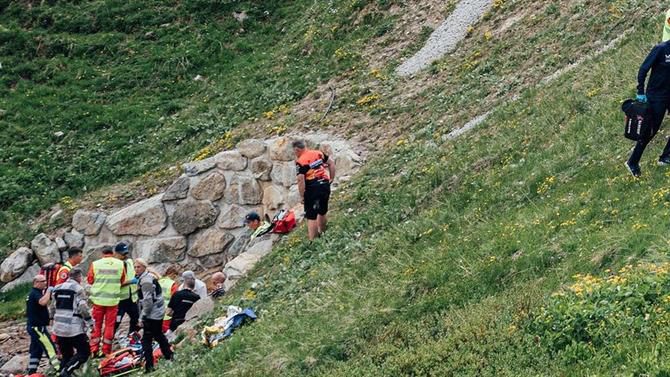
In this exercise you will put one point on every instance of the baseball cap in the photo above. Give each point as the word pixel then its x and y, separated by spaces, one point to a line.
pixel 251 216
pixel 121 248
pixel 188 275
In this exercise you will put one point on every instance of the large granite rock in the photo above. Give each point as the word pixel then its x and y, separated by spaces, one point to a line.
pixel 251 148
pixel 231 160
pixel 191 215
pixel 231 217
pixel 60 243
pixel 284 173
pixel 74 239
pixel 211 187
pixel 25 278
pixel 88 222
pixel 281 149
pixel 146 218
pixel 293 197
pixel 243 189
pixel 45 249
pixel 15 264
pixel 162 250
pixel 178 190
pixel 210 241
pixel 274 197
pixel 240 266
pixel 261 168
pixel 198 167
pixel 214 260
pixel 16 365
pixel 239 245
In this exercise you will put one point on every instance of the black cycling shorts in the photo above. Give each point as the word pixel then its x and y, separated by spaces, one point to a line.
pixel 316 200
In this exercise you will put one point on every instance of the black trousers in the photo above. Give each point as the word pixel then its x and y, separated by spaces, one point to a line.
pixel 153 330
pixel 131 308
pixel 71 361
pixel 658 109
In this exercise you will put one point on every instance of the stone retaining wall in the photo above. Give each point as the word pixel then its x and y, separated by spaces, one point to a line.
pixel 198 221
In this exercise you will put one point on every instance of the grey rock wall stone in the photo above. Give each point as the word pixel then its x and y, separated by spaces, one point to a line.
pixel 178 190
pixel 191 215
pixel 88 222
pixel 16 264
pixel 251 148
pixel 146 218
pixel 46 251
pixel 210 241
pixel 211 187
pixel 162 250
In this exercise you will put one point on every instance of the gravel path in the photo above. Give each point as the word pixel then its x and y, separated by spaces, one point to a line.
pixel 445 38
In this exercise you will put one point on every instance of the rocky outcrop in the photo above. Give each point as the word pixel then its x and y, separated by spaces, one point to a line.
pixel 26 277
pixel 46 251
pixel 191 215
pixel 146 218
pixel 16 264
pixel 88 222
pixel 240 266
pixel 74 239
pixel 244 189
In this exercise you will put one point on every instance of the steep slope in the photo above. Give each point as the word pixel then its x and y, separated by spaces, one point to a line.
pixel 93 92
pixel 442 255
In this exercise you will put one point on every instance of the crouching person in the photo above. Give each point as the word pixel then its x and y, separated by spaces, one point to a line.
pixel 71 318
pixel 152 312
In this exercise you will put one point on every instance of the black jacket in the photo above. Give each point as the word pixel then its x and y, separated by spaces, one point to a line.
pixel 658 61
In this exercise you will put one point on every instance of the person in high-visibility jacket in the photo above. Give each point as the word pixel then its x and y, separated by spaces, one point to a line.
pixel 666 26
pixel 169 285
pixel 316 171
pixel 74 256
pixel 128 294
pixel 105 277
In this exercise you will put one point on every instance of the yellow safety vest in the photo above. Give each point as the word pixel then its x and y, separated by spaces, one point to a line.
pixel 107 274
pixel 129 290
pixel 166 285
pixel 666 26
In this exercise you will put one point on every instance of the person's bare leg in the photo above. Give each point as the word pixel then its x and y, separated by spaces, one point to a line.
pixel 322 221
pixel 312 229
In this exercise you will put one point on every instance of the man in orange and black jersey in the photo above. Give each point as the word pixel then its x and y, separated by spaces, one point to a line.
pixel 315 173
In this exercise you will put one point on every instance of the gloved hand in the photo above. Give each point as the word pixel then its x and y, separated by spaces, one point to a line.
pixel 50 289
pixel 641 98
pixel 133 281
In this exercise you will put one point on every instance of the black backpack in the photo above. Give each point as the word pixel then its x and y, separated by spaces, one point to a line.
pixel 637 120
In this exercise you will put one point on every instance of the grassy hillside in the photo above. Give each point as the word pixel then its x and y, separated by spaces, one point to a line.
pixel 116 78
pixel 523 248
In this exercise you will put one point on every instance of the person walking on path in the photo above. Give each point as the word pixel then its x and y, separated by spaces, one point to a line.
pixel 152 312
pixel 105 277
pixel 657 95
pixel 128 294
pixel 37 314
pixel 180 304
pixel 71 318
pixel 315 171
pixel 170 287
pixel 74 257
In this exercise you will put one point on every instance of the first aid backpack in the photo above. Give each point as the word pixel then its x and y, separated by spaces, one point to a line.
pixel 637 120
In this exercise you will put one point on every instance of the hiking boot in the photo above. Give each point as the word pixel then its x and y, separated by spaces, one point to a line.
pixel 664 161
pixel 634 170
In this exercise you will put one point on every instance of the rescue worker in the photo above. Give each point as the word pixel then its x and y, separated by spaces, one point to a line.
pixel 315 174
pixel 257 226
pixel 170 287
pixel 105 277
pixel 128 294
pixel 71 318
pixel 152 312
pixel 657 94
pixel 181 303
pixel 74 256
pixel 37 322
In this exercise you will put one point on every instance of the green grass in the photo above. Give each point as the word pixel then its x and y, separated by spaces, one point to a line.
pixel 439 257
pixel 117 78
pixel 443 258
pixel 13 303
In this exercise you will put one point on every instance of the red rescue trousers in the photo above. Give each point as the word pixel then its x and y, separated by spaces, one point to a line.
pixel 166 325
pixel 103 316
